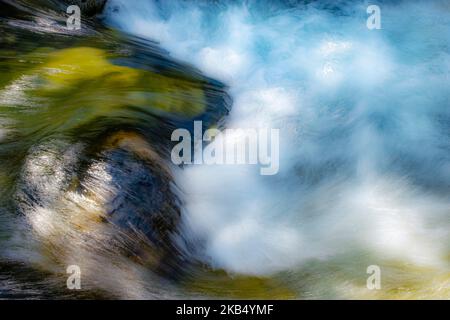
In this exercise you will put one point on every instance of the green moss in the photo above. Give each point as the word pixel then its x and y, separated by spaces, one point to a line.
pixel 65 89
pixel 70 69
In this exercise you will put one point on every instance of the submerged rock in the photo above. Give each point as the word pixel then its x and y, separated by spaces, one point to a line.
pixel 107 86
pixel 85 175
pixel 117 203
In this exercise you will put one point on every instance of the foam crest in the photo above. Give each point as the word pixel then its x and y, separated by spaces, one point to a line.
pixel 364 121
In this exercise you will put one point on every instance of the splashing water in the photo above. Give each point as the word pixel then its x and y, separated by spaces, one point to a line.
pixel 365 126
pixel 364 173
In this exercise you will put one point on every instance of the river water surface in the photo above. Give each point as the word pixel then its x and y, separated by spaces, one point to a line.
pixel 364 179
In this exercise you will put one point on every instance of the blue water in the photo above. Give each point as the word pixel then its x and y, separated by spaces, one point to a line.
pixel 364 118
pixel 364 168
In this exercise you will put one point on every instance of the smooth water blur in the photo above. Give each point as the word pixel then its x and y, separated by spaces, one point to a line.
pixel 85 125
pixel 86 178
pixel 365 126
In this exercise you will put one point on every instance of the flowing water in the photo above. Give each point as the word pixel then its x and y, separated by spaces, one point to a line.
pixel 364 175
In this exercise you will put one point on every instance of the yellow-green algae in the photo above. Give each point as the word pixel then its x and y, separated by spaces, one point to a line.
pixel 71 87
pixel 69 68
pixel 218 283
pixel 339 278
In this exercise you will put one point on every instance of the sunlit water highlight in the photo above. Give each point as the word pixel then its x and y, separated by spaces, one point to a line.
pixel 364 119
pixel 365 125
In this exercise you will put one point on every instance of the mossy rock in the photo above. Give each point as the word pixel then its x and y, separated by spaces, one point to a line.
pixel 75 87
pixel 68 69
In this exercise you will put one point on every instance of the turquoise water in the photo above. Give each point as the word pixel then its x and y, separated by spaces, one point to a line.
pixel 85 125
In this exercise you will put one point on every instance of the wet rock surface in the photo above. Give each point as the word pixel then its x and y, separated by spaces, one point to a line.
pixel 86 174
pixel 119 200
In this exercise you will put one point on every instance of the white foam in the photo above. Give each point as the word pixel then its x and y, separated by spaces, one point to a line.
pixel 355 108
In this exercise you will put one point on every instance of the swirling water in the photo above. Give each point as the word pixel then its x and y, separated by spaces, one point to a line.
pixel 364 176
pixel 364 118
